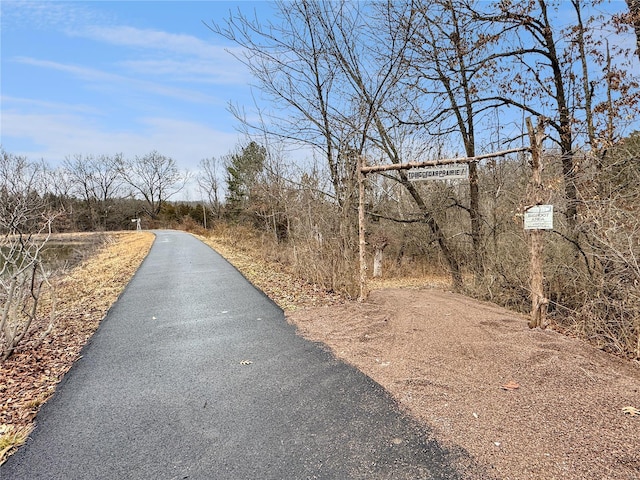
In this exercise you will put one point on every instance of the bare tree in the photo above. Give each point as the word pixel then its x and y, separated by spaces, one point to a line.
pixel 58 187
pixel 209 183
pixel 534 59
pixel 448 87
pixel 292 67
pixel 153 176
pixel 375 77
pixel 97 181
pixel 338 70
pixel 540 77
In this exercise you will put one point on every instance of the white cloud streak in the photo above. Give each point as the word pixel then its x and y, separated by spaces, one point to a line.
pixel 148 69
pixel 111 79
pixel 62 135
pixel 40 105
pixel 181 55
pixel 192 71
pixel 126 36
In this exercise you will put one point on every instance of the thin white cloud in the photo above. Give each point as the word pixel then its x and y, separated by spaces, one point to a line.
pixel 84 73
pixel 153 40
pixel 181 56
pixel 185 56
pixel 111 79
pixel 56 136
pixel 42 105
pixel 192 71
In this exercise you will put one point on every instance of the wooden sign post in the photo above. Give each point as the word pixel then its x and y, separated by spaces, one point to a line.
pixel 536 235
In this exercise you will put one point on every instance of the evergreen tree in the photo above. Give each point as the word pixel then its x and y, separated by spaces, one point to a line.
pixel 242 173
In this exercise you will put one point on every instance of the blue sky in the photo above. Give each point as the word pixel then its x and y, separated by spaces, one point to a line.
pixel 107 77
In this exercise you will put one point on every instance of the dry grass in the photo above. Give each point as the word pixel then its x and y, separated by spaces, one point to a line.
pixel 435 281
pixel 11 437
pixel 289 292
pixel 273 273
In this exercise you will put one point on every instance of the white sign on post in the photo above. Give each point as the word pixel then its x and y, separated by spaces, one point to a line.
pixel 539 217
pixel 453 171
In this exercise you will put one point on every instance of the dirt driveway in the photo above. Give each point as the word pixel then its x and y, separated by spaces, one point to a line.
pixel 529 404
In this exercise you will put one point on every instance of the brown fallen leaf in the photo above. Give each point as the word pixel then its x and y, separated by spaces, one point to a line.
pixel 634 412
pixel 510 386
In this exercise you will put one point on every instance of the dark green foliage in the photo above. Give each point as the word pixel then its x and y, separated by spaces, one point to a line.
pixel 243 170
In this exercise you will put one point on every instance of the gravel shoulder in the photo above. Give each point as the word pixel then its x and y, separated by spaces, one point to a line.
pixel 527 404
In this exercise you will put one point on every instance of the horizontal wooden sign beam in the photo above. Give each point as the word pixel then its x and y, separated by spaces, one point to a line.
pixel 447 161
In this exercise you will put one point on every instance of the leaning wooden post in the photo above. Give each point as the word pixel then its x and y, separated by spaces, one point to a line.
pixel 361 237
pixel 536 189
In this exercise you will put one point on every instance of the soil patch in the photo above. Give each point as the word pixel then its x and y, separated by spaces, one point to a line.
pixel 527 404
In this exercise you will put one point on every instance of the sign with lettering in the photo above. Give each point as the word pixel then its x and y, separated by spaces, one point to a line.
pixel 539 217
pixel 453 171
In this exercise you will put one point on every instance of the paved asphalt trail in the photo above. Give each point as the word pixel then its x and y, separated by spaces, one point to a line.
pixel 160 392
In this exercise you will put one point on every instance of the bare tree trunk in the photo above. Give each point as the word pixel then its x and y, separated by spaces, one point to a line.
pixel 21 307
pixel 362 243
pixel 378 256
pixel 403 246
pixel 476 224
pixel 379 244
pixel 538 301
pixel 586 87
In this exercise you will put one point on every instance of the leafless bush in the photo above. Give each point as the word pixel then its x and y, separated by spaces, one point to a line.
pixel 610 224
pixel 25 226
pixel 592 270
pixel 326 258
